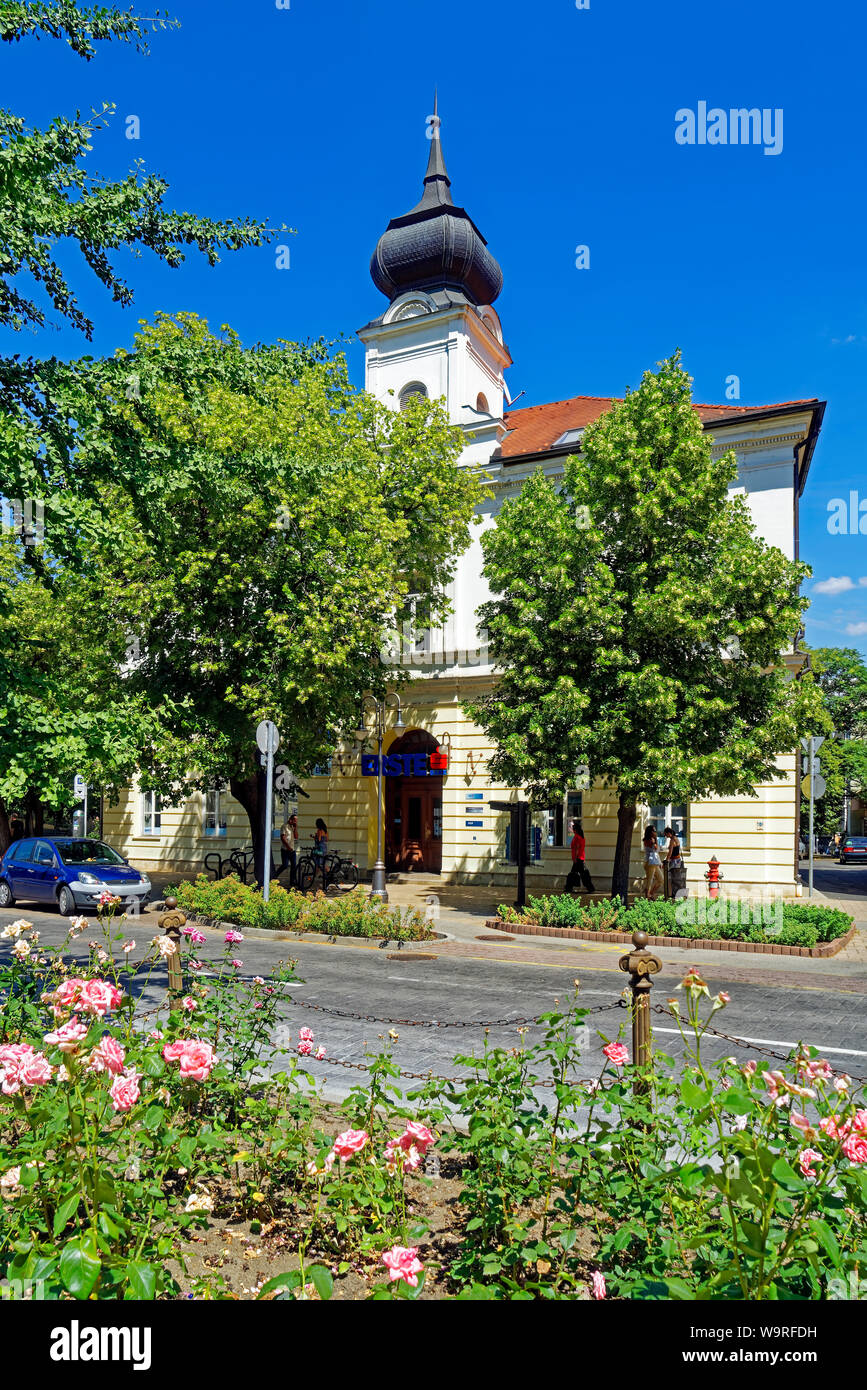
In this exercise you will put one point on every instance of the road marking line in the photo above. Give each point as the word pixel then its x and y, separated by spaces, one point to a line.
pixel 775 1042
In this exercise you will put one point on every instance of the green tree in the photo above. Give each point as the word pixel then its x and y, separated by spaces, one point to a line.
pixel 646 644
pixel 266 521
pixel 841 674
pixel 65 705
pixel 52 200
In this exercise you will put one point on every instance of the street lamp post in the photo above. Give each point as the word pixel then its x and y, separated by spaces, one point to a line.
pixel 379 707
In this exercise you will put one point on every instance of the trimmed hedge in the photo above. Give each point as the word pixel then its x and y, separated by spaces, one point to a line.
pixel 713 919
pixel 353 914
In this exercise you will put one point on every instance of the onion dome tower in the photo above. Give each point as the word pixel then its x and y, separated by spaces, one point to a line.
pixel 436 246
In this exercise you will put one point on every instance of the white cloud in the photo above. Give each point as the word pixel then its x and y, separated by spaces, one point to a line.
pixel 856 629
pixel 850 338
pixel 863 581
pixel 835 586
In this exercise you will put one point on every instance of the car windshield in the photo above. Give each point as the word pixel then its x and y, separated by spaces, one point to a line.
pixel 87 852
pixel 857 842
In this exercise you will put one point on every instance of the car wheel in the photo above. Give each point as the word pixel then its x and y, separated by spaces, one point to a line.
pixel 65 903
pixel 6 898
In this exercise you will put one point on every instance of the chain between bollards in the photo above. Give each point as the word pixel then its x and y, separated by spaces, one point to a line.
pixel 641 965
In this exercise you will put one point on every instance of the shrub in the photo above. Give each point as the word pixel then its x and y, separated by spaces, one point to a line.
pixel 351 914
pixel 803 924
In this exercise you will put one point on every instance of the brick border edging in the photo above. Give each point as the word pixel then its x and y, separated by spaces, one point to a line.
pixel 827 948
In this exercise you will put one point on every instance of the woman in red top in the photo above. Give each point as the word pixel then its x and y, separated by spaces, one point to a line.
pixel 578 873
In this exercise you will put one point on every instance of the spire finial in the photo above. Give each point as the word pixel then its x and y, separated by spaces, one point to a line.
pixel 436 178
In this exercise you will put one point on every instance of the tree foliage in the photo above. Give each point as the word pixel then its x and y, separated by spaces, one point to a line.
pixel 265 523
pixel 646 644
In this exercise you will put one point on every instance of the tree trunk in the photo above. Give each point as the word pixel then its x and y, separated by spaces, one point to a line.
pixel 5 828
pixel 626 813
pixel 250 792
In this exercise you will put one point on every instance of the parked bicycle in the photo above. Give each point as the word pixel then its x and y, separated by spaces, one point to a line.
pixel 333 873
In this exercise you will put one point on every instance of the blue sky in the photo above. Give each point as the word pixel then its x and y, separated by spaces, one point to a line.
pixel 558 130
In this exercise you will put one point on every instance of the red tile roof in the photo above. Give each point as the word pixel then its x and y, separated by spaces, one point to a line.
pixel 535 428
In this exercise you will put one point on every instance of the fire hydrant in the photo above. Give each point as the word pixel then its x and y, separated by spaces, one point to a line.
pixel 713 876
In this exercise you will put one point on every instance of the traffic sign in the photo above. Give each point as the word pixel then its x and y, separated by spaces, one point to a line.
pixel 817 741
pixel 267 736
pixel 79 787
pixel 820 786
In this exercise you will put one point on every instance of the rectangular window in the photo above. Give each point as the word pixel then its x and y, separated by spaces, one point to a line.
pixel 214 815
pixel 151 813
pixel 675 814
pixel 322 769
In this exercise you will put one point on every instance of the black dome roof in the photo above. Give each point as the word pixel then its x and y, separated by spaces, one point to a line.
pixel 436 245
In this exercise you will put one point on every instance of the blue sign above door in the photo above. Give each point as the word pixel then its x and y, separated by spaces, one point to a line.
pixel 399 765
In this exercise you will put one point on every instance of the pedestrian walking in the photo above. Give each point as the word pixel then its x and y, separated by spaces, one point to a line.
pixel 653 880
pixel 578 873
pixel 289 847
pixel 676 866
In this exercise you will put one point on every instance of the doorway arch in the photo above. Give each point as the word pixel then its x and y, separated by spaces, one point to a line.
pixel 414 812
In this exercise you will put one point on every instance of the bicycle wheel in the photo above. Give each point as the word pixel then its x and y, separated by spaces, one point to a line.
pixel 305 874
pixel 343 876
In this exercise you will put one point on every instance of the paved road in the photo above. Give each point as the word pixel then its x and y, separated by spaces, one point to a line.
pixel 771 1008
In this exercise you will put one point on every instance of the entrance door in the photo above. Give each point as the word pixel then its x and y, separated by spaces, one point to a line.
pixel 413 813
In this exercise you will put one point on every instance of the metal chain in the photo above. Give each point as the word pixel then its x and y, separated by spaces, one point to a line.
pixel 742 1042
pixel 439 1023
pixel 416 1075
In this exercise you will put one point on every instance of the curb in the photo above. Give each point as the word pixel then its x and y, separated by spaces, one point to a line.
pixel 620 938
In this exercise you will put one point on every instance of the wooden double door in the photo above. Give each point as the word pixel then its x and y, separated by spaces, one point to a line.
pixel 414 824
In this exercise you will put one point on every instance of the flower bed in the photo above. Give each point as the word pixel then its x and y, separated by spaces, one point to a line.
pixel 767 924
pixel 130 1141
pixel 351 914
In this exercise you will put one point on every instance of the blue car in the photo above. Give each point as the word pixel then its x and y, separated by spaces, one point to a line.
pixel 69 872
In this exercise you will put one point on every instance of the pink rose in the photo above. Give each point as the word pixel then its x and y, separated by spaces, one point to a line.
pixel 800 1121
pixel 305 1034
pixel 402 1262
pixel 351 1141
pixel 599 1289
pixel 859 1122
pixel 806 1158
pixel 416 1135
pixel 257 980
pixel 166 946
pixel 125 1091
pixel 830 1127
pixel 305 1047
pixel 197 938
pixel 97 997
pixel 236 963
pixel 616 1053
pixel 36 1070
pixel 232 936
pixel 108 1056
pixel 855 1148
pixel 320 1053
pixel 22 1066
pixel 189 1004
pixel 66 993
pixel 68 1036
pixel 196 1058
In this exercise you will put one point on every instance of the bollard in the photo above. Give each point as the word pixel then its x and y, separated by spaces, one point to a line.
pixel 640 965
pixel 172 920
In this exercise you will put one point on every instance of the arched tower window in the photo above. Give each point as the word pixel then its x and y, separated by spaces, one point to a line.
pixel 482 403
pixel 415 388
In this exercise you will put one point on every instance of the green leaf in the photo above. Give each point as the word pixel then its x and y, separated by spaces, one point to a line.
pixel 321 1279
pixel 142 1278
pixel 288 1281
pixel 785 1175
pixel 693 1095
pixel 79 1267
pixel 65 1212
